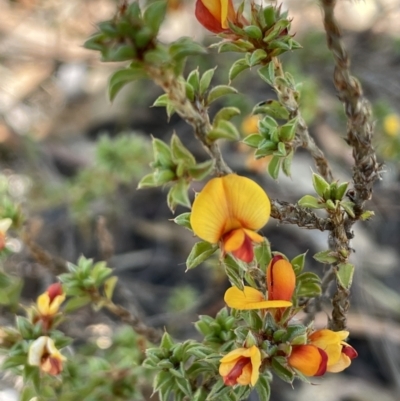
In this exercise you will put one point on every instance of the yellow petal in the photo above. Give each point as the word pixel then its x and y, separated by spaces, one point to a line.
pixel 214 7
pixel 56 303
pixel 330 342
pixel 234 240
pixel 250 298
pixel 343 363
pixel 235 354
pixel 228 203
pixel 255 356
pixel 245 378
pixel 43 304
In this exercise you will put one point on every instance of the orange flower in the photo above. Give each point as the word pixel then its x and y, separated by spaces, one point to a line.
pixel 49 302
pixel 250 298
pixel 308 359
pixel 44 354
pixel 339 352
pixel 241 366
pixel 281 279
pixel 327 352
pixel 230 210
pixel 215 14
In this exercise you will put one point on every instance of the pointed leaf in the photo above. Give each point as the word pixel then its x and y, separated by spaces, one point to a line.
pixel 200 252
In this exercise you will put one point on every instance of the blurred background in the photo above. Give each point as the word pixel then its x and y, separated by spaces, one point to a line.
pixel 73 160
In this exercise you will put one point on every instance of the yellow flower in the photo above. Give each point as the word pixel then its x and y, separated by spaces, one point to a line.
pixel 250 298
pixel 44 354
pixel 215 14
pixel 241 366
pixel 391 124
pixel 5 224
pixel 339 352
pixel 49 302
pixel 230 210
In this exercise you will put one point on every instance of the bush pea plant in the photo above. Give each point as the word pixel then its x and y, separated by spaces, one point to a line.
pixel 266 329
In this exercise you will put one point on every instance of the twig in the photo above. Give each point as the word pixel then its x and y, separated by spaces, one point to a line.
pixel 366 169
pixel 287 98
pixel 196 117
pixel 288 213
pixel 58 265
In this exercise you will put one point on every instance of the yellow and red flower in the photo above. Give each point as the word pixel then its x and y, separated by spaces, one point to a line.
pixel 229 210
pixel 215 14
pixel 49 302
pixel 44 354
pixel 326 352
pixel 241 366
pixel 339 352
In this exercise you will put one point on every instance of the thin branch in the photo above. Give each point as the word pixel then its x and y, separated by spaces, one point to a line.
pixel 366 169
pixel 287 97
pixel 197 118
pixel 287 213
pixel 58 265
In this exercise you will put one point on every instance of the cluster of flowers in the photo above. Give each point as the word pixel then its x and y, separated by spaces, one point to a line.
pixel 42 351
pixel 228 211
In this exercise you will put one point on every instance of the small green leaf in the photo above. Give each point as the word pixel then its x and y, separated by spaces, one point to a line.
pixel 147 181
pixel 76 303
pixel 183 220
pixel 226 113
pixel 154 15
pixel 341 190
pixel 184 47
pixel 348 207
pixel 180 152
pixel 263 254
pixel 162 154
pixel 163 176
pixel 237 67
pixel 201 170
pixel 166 342
pixel 122 77
pixel 279 366
pixel 206 80
pixel 263 388
pixel 257 56
pixel 287 164
pixel 109 286
pixel 219 91
pixel 267 73
pixel 253 31
pixel 368 214
pixel 253 140
pixel 311 202
pixel 161 101
pixel 273 167
pixel 269 16
pixel 178 195
pixel 327 257
pixel 298 263
pixel 345 274
pixel 194 79
pixel 320 185
pixel 200 252
pixel 234 271
pixel 288 131
pixel 230 130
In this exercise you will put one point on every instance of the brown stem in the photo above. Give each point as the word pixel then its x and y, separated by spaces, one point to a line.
pixel 288 213
pixel 366 169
